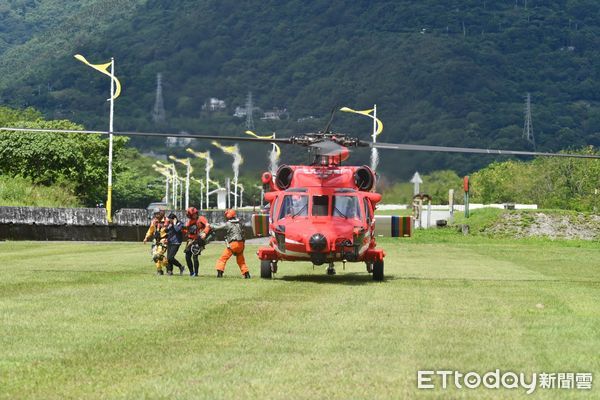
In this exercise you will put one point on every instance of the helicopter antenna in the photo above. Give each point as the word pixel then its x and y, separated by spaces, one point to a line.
pixel 333 110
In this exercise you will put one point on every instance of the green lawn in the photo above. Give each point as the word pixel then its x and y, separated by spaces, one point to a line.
pixel 92 321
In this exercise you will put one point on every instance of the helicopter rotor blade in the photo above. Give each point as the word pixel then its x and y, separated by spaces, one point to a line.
pixel 152 134
pixel 317 141
pixel 445 149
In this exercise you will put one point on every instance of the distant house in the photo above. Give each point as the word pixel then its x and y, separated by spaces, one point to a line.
pixel 214 104
pixel 174 141
pixel 303 119
pixel 240 112
pixel 274 114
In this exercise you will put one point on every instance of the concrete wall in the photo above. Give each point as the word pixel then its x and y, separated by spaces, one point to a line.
pixel 89 224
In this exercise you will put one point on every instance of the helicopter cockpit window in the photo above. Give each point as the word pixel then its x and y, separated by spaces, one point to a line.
pixel 320 207
pixel 346 206
pixel 294 205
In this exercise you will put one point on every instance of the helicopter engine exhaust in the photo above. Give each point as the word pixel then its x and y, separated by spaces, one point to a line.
pixel 283 179
pixel 364 178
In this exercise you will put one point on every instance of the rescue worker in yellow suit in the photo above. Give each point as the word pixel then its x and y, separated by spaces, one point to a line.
pixel 234 237
pixel 158 234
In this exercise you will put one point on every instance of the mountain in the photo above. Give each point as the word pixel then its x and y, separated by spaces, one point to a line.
pixel 441 72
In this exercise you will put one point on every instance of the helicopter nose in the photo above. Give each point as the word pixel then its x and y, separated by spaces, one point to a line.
pixel 317 242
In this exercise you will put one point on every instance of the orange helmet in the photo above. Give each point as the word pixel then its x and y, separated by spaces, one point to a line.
pixel 230 214
pixel 191 212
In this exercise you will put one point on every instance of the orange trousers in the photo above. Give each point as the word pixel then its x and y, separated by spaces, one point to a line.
pixel 236 248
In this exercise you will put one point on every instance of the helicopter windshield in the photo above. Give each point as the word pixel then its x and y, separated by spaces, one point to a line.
pixel 320 206
pixel 294 205
pixel 346 207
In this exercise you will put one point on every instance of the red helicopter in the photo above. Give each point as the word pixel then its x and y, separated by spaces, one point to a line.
pixel 322 212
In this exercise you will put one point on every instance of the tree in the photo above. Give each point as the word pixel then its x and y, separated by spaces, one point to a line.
pixel 48 158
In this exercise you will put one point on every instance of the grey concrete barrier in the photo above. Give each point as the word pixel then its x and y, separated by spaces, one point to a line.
pixel 89 224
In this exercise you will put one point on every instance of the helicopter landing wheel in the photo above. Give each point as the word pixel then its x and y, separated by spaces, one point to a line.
pixel 273 265
pixel 378 270
pixel 331 269
pixel 369 267
pixel 265 269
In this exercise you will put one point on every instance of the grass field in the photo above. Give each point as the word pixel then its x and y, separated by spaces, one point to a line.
pixel 92 321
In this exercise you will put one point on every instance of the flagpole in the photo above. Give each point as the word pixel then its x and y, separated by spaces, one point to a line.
pixel 201 192
pixel 374 123
pixel 207 177
pixel 187 185
pixel 110 142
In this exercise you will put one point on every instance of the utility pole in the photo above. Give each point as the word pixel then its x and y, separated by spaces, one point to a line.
pixel 528 126
pixel 249 110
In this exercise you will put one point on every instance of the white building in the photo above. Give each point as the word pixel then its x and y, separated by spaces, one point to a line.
pixel 214 104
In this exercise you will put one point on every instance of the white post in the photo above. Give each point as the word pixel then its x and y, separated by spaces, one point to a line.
pixel 175 186
pixel 228 188
pixel 110 141
pixel 241 197
pixel 416 181
pixel 201 193
pixel 451 205
pixel 166 189
pixel 207 177
pixel 428 214
pixel 180 196
pixel 374 123
pixel 235 191
pixel 187 185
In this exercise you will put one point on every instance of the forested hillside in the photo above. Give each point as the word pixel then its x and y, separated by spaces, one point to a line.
pixel 441 72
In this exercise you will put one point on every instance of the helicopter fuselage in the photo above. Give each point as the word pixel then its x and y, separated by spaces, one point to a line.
pixel 321 214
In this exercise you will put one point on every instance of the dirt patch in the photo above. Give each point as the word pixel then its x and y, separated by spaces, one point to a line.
pixel 554 226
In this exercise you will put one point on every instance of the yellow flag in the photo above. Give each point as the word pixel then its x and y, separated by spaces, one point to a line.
pixel 162 171
pixel 378 122
pixel 204 155
pixel 259 137
pixel 226 149
pixel 183 161
pixel 103 68
pixel 277 149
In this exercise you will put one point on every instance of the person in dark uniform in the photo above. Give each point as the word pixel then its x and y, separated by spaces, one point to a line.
pixel 174 239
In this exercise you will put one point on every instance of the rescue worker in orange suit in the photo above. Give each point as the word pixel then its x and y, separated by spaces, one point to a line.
pixel 158 234
pixel 234 237
pixel 197 229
